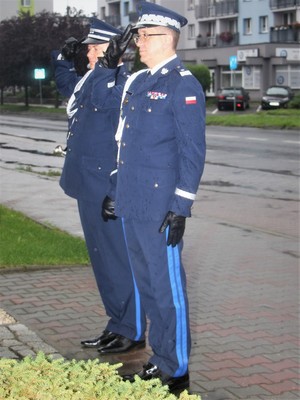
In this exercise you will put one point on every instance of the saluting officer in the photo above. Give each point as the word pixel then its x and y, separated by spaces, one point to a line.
pixel 161 137
pixel 93 112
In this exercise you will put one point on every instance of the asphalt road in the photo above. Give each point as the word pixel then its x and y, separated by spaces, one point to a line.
pixel 256 169
pixel 241 255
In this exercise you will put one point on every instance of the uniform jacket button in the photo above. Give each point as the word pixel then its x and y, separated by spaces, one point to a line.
pixel 149 109
pixel 156 185
pixel 127 126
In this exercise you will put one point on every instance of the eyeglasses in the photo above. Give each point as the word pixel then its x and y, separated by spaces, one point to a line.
pixel 145 36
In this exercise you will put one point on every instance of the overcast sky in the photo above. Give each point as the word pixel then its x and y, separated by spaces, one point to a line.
pixel 88 6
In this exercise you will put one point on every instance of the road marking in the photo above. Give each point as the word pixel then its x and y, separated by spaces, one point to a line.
pixel 224 136
pixel 291 141
pixel 257 139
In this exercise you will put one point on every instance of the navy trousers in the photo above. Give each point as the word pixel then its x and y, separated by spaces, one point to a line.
pixel 109 259
pixel 161 281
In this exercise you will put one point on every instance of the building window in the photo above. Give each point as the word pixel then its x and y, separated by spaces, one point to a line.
pixel 126 8
pixel 25 3
pixel 191 4
pixel 251 77
pixel 247 26
pixel 263 24
pixel 288 75
pixel 230 78
pixel 102 12
pixel 191 31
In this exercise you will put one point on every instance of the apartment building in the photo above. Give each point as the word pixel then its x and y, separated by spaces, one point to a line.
pixel 264 35
pixel 11 8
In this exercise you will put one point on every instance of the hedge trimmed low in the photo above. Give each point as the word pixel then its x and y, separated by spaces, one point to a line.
pixel 42 378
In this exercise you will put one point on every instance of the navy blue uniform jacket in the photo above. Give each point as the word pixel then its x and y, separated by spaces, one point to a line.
pixel 161 144
pixel 91 145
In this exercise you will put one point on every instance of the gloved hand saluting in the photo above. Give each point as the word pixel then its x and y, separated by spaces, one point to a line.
pixel 70 49
pixel 116 48
pixel 108 209
pixel 176 224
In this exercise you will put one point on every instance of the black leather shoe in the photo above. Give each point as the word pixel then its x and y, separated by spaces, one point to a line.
pixel 151 371
pixel 102 340
pixel 121 344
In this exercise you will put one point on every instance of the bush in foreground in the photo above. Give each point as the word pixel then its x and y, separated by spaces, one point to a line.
pixel 42 378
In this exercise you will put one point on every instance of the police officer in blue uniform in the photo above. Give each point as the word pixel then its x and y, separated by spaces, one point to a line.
pixel 90 156
pixel 161 137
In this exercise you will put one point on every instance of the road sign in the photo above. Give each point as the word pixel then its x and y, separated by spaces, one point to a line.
pixel 39 73
pixel 233 62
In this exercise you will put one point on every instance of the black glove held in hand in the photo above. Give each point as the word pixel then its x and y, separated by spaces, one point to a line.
pixel 176 225
pixel 108 209
pixel 70 48
pixel 116 48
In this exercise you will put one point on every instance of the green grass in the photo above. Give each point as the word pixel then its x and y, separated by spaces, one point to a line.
pixel 24 242
pixel 15 108
pixel 279 119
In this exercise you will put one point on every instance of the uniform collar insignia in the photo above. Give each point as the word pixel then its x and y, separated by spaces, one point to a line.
pixel 164 71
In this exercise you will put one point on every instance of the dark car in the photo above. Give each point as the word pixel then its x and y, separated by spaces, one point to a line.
pixel 277 97
pixel 227 96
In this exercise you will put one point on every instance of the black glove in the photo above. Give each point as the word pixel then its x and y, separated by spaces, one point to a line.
pixel 116 48
pixel 108 209
pixel 70 49
pixel 176 225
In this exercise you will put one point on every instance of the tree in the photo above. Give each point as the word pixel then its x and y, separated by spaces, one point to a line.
pixel 26 43
pixel 202 74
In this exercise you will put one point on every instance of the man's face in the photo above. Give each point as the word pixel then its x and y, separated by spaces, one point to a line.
pixel 154 45
pixel 95 51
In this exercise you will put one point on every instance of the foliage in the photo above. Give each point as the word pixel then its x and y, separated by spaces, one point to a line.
pixel 280 119
pixel 138 65
pixel 42 378
pixel 295 102
pixel 15 108
pixel 26 43
pixel 24 242
pixel 201 73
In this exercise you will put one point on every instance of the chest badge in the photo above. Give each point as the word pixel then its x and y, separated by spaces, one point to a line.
pixel 157 95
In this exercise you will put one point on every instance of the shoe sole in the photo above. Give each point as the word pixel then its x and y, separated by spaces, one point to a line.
pixel 135 347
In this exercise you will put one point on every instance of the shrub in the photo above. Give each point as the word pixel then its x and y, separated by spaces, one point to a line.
pixel 201 73
pixel 295 102
pixel 42 378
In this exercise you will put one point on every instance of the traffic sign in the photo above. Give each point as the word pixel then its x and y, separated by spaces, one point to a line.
pixel 233 62
pixel 39 73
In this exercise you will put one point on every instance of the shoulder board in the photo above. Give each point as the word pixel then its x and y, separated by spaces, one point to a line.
pixel 182 71
pixel 185 72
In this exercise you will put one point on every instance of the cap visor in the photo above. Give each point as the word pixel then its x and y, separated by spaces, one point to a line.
pixel 93 41
pixel 136 27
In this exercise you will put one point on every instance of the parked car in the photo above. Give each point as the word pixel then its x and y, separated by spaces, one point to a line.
pixel 227 95
pixel 277 97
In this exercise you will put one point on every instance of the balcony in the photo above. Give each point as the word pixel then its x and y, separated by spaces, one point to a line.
pixel 114 20
pixel 284 4
pixel 224 39
pixel 218 9
pixel 285 34
pixel 133 17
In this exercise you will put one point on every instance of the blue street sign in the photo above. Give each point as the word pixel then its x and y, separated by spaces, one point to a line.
pixel 233 62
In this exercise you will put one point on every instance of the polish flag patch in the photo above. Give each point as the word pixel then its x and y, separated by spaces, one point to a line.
pixel 191 100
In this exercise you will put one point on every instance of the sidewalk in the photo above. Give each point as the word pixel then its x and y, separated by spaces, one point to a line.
pixel 243 291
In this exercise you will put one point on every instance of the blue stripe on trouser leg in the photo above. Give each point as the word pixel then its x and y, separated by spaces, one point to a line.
pixel 180 307
pixel 136 293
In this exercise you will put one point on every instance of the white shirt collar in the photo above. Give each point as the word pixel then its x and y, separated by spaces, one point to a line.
pixel 160 65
